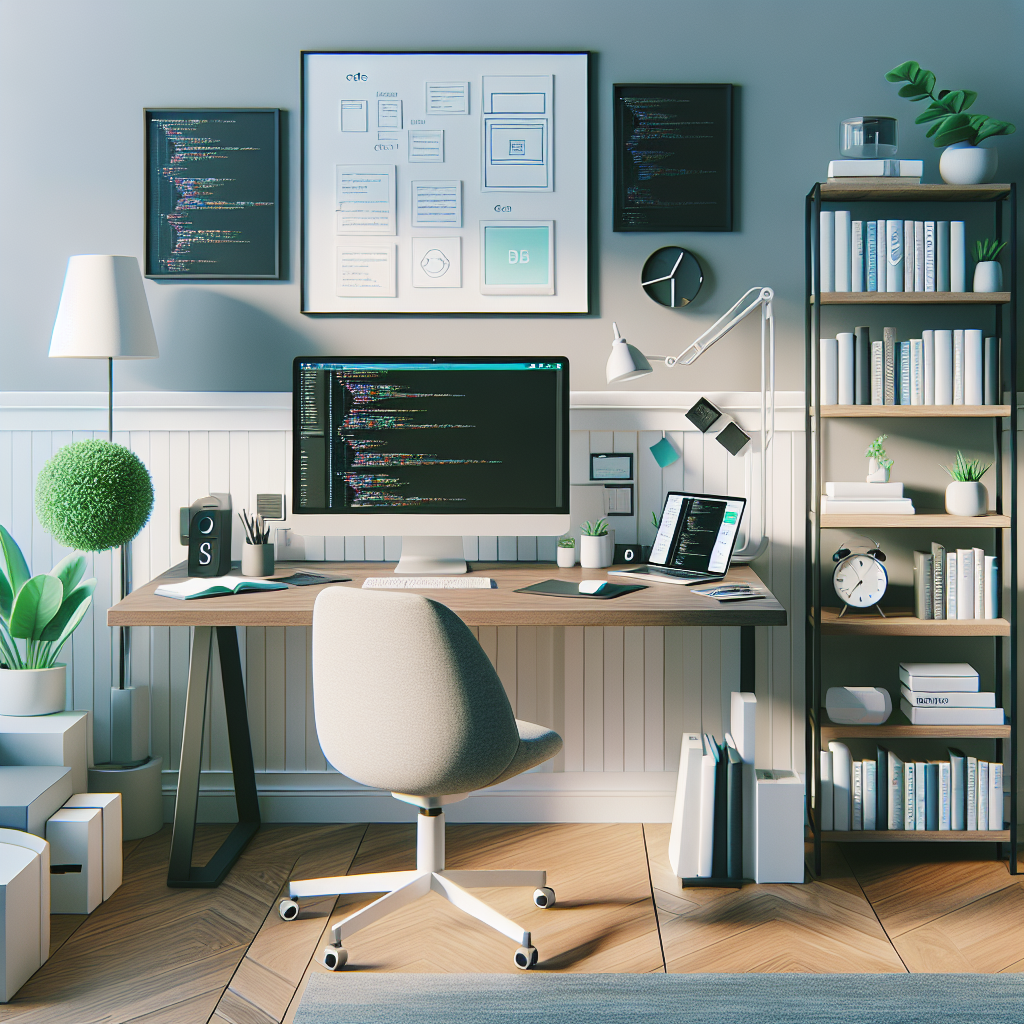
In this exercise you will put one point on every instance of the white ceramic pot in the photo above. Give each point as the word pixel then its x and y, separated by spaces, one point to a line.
pixel 32 691
pixel 964 164
pixel 877 474
pixel 565 557
pixel 597 552
pixel 966 498
pixel 988 276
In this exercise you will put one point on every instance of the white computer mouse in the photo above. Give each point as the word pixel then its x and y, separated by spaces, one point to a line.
pixel 592 586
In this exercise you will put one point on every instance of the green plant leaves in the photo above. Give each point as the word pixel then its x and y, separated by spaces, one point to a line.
pixel 993 127
pixel 35 605
pixel 70 614
pixel 6 597
pixel 904 72
pixel 17 568
pixel 70 570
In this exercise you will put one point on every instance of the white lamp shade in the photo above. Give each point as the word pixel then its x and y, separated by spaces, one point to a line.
pixel 103 312
pixel 625 362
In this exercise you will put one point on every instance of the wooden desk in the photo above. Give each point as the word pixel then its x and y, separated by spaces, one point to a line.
pixel 658 605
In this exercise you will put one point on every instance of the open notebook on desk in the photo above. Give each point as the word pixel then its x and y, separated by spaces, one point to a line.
pixel 214 586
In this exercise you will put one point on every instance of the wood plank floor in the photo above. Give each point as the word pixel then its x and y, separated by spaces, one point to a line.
pixel 153 955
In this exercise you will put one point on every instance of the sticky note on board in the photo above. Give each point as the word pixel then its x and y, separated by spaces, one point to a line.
pixel 664 452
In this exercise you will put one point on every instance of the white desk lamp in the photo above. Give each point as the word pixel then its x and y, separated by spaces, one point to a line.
pixel 626 362
pixel 103 314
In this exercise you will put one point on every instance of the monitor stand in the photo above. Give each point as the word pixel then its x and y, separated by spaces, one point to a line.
pixel 432 556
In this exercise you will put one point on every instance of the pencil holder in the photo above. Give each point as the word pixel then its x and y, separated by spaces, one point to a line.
pixel 257 559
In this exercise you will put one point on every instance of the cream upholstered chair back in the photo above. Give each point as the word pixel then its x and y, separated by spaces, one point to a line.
pixel 404 696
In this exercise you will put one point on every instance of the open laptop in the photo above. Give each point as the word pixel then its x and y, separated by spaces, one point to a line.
pixel 696 538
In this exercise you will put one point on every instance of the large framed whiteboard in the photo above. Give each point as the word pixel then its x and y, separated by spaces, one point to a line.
pixel 445 183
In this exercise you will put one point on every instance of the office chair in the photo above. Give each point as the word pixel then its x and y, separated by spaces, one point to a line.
pixel 406 700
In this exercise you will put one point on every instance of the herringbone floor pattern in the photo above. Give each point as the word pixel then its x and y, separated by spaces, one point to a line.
pixel 153 955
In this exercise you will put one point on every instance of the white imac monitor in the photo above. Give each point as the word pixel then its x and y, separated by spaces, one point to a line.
pixel 430 449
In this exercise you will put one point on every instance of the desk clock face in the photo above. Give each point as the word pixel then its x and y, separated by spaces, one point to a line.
pixel 860 580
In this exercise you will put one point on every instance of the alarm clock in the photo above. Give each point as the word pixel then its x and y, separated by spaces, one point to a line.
pixel 859 578
pixel 209 536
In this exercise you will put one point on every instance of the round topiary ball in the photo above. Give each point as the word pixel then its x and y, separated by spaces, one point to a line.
pixel 94 495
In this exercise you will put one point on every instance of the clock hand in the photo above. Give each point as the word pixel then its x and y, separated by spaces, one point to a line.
pixel 857 584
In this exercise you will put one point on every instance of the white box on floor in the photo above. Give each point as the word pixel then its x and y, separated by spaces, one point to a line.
pixel 15 837
pixel 75 836
pixel 113 859
pixel 29 794
pixel 48 739
pixel 778 826
pixel 19 918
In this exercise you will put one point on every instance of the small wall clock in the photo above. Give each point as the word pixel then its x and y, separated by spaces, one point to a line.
pixel 672 276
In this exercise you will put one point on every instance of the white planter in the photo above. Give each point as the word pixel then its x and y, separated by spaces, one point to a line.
pixel 966 498
pixel 32 691
pixel 597 552
pixel 964 164
pixel 565 557
pixel 877 474
pixel 988 276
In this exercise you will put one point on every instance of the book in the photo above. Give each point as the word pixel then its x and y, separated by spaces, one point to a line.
pixel 965 583
pixel 918 255
pixel 909 796
pixel 951 716
pixel 929 255
pixel 939 676
pixel 827 247
pixel 952 575
pixel 842 257
pixel 974 389
pixel 942 256
pixel 909 255
pixel 842 786
pixel 708 778
pixel 979 583
pixel 928 347
pixel 944 796
pixel 871 257
pixel 862 366
pixel 957 797
pixel 905 373
pixel 894 776
pixel 720 841
pixel 867 506
pixel 894 256
pixel 889 343
pixel 917 371
pixel 857 816
pixel 943 367
pixel 947 698
pixel 923 586
pixel 971 793
pixel 881 788
pixel 958 367
pixel 869 775
pixel 876 169
pixel 829 371
pixel 990 371
pixel 861 489
pixel 857 256
pixel 685 832
pixel 920 797
pixel 215 586
pixel 877 373
pixel 983 795
pixel 733 809
pixel 957 257
pixel 995 796
pixel 991 587
pixel 938 581
pixel 931 796
pixel 825 821
pixel 846 360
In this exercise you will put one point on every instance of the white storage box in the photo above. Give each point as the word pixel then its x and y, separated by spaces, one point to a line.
pixel 778 826
pixel 19 918
pixel 13 837
pixel 109 805
pixel 48 739
pixel 30 794
pixel 75 836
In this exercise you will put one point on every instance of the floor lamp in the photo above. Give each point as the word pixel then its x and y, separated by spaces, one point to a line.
pixel 103 314
pixel 627 362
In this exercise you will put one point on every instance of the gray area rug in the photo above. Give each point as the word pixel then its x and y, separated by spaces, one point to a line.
pixel 537 998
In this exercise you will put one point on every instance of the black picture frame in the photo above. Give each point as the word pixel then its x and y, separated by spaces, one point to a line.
pixel 595 464
pixel 689 186
pixel 239 242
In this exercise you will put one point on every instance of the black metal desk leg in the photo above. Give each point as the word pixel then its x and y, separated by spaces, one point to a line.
pixel 180 873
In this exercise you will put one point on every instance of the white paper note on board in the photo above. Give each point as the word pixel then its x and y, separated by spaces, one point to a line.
pixel 389 113
pixel 518 94
pixel 354 116
pixel 517 154
pixel 437 262
pixel 426 147
pixel 366 199
pixel 437 204
pixel 447 97
pixel 366 270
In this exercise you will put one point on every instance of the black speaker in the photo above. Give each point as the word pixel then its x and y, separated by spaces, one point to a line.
pixel 209 536
pixel 630 554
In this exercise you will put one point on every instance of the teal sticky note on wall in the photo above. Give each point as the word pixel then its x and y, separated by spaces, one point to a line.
pixel 516 255
pixel 664 452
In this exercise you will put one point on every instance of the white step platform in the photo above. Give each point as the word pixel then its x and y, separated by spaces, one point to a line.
pixel 30 794
pixel 48 739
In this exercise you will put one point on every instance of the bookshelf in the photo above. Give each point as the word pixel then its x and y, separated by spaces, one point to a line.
pixel 823 621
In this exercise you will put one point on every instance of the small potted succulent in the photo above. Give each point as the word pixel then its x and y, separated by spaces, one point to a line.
pixel 988 274
pixel 879 463
pixel 565 553
pixel 966 495
pixel 42 612
pixel 597 545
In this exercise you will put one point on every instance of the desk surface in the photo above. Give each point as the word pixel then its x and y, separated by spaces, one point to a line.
pixel 660 604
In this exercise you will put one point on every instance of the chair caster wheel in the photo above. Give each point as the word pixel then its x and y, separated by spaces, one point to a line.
pixel 334 957
pixel 289 910
pixel 544 897
pixel 526 957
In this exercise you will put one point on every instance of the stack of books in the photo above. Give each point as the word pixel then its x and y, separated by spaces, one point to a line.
pixel 891 255
pixel 886 792
pixel 942 693
pixel 942 367
pixel 859 498
pixel 960 584
pixel 875 172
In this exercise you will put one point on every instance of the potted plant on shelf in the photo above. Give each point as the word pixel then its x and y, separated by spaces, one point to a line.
pixel 964 160
pixel 42 612
pixel 988 273
pixel 879 463
pixel 966 495
pixel 565 553
pixel 597 545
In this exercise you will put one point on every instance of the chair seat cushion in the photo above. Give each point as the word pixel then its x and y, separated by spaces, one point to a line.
pixel 536 745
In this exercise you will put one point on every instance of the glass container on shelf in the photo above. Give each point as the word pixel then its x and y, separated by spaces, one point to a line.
pixel 868 138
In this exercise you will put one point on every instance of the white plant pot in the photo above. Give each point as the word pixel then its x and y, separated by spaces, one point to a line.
pixel 877 474
pixel 597 552
pixel 565 557
pixel 32 691
pixel 966 498
pixel 964 164
pixel 988 276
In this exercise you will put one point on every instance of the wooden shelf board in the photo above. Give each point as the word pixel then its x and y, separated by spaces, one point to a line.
pixel 844 192
pixel 903 730
pixel 922 520
pixel 900 622
pixel 946 412
pixel 902 836
pixel 913 298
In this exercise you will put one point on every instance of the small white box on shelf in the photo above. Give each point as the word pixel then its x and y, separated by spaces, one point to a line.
pixel 778 826
pixel 48 739
pixel 15 837
pixel 75 836
pixel 29 794
pixel 19 918
pixel 109 805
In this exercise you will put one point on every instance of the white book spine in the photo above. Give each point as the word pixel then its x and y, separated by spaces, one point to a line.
pixel 944 791
pixel 917 371
pixel 895 783
pixel 928 344
pixel 878 373
pixel 827 244
pixel 920 796
pixel 965 583
pixel 943 367
pixel 942 256
pixel 909 255
pixel 952 579
pixel 958 367
pixel 871 256
pixel 995 796
pixel 845 374
pixel 894 256
pixel 990 371
pixel 973 375
pixel 991 587
pixel 983 795
pixel 957 257
pixel 957 795
pixel 825 806
pixel 870 788
pixel 842 263
pixel 857 271
pixel 929 255
pixel 971 793
pixel 979 583
pixel 685 832
pixel 909 796
pixel 919 256
pixel 708 771
pixel 842 786
pixel 829 371
pixel 857 824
